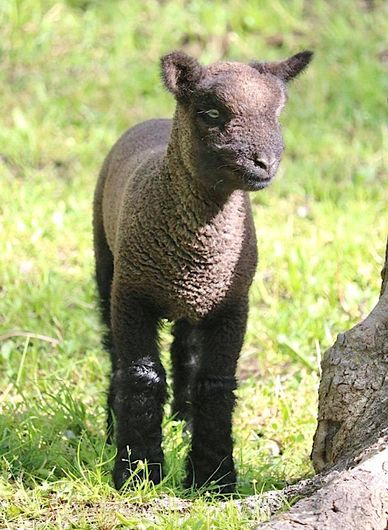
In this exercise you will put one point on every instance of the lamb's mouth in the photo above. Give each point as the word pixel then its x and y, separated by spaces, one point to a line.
pixel 251 178
pixel 255 183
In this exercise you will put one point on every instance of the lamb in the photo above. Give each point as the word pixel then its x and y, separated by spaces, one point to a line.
pixel 174 239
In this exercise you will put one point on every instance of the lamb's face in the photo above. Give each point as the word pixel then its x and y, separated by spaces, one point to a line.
pixel 228 118
pixel 233 118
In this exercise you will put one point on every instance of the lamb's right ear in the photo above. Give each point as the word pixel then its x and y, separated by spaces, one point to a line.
pixel 180 73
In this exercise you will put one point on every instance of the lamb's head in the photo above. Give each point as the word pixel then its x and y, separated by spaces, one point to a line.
pixel 227 117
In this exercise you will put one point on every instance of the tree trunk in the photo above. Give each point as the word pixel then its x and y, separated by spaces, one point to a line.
pixel 350 450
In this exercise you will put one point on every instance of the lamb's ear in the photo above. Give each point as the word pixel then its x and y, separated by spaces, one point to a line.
pixel 287 69
pixel 180 73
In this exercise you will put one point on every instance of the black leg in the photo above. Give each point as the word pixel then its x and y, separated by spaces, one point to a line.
pixel 211 457
pixel 184 357
pixel 140 386
pixel 104 276
pixel 109 411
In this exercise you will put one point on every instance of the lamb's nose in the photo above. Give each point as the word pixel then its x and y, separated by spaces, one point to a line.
pixel 261 162
pixel 264 162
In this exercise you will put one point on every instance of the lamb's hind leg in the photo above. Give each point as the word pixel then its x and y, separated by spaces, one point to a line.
pixel 211 457
pixel 104 276
pixel 140 386
pixel 184 357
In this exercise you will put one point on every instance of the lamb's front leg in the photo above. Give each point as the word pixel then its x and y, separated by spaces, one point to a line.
pixel 211 456
pixel 139 386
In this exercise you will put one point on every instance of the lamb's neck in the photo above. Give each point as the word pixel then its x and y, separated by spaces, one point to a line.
pixel 191 198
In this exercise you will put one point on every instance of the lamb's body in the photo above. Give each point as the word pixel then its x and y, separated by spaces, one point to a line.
pixel 174 239
pixel 178 246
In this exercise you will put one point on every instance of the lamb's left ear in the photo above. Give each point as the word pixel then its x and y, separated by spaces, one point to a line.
pixel 180 73
pixel 287 69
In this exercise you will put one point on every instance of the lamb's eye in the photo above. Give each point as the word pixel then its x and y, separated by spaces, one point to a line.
pixel 213 118
pixel 213 113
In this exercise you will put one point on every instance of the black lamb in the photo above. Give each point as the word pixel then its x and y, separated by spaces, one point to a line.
pixel 174 239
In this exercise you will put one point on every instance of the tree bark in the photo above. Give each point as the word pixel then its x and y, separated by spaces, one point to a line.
pixel 350 450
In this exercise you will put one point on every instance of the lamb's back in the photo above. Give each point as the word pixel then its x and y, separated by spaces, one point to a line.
pixel 137 146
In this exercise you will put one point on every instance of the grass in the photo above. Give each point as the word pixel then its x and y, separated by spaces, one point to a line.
pixel 73 76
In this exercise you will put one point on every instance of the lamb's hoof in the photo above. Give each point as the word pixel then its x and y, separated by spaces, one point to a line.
pixel 221 482
pixel 130 474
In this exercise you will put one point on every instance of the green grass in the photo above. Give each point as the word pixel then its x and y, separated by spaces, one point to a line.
pixel 73 76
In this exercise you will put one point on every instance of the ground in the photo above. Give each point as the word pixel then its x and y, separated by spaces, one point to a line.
pixel 73 76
